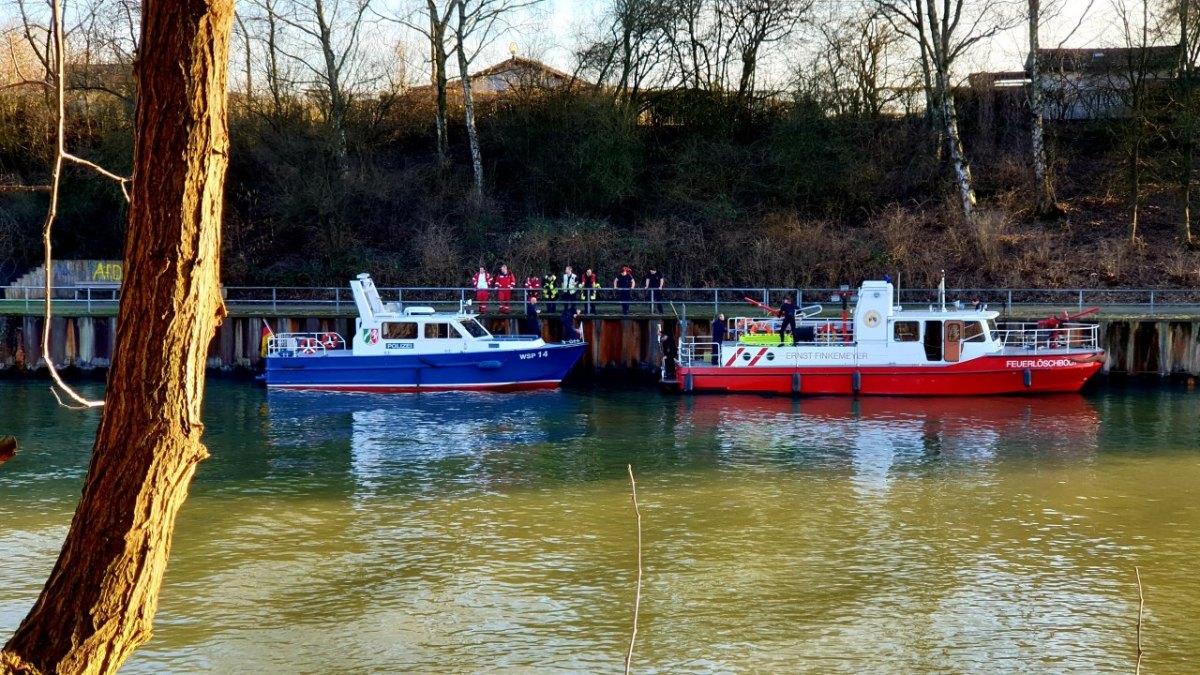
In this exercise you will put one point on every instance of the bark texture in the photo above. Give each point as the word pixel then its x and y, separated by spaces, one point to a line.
pixel 99 603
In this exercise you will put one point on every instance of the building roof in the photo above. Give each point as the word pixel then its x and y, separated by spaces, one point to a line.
pixel 1106 59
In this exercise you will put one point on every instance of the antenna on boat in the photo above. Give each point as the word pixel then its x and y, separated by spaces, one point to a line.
pixel 942 291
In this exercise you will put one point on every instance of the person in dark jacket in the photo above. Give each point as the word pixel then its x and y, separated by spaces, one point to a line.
pixel 788 311
pixel 569 334
pixel 654 288
pixel 670 353
pixel 533 324
pixel 624 284
pixel 718 335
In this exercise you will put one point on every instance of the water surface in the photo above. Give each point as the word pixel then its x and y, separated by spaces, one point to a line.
pixel 468 533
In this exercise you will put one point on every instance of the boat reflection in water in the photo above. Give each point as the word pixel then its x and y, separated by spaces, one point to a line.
pixel 883 432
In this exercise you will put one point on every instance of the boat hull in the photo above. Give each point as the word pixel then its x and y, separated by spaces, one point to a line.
pixel 542 367
pixel 994 374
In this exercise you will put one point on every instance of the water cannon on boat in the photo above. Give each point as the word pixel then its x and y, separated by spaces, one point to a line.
pixel 1053 322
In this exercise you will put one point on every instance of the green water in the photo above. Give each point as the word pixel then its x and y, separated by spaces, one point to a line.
pixel 482 533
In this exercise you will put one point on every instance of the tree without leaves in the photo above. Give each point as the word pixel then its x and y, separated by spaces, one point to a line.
pixel 100 600
pixel 476 25
pixel 944 30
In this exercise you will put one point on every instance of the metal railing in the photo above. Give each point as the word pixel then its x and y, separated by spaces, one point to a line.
pixel 676 301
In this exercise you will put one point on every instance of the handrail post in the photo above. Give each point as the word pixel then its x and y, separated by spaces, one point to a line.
pixel 1151 301
pixel 1081 300
pixel 716 303
pixel 274 301
pixel 337 300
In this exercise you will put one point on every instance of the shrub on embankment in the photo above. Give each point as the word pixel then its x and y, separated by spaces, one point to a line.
pixel 789 197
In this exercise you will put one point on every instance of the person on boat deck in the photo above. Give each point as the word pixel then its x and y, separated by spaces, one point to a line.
pixel 654 284
pixel 550 290
pixel 570 287
pixel 569 334
pixel 533 324
pixel 788 311
pixel 533 285
pixel 624 284
pixel 590 284
pixel 666 343
pixel 482 281
pixel 718 335
pixel 504 282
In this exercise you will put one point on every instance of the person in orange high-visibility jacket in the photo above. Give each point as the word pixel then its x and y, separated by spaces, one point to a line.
pixel 482 281
pixel 504 282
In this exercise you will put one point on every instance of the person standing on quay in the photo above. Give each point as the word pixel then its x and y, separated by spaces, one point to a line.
pixel 570 287
pixel 550 289
pixel 505 281
pixel 590 284
pixel 654 284
pixel 482 281
pixel 533 286
pixel 624 284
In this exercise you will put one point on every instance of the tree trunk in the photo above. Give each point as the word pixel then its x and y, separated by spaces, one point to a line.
pixel 1187 115
pixel 100 600
pixel 437 39
pixel 337 97
pixel 958 158
pixel 469 106
pixel 1046 199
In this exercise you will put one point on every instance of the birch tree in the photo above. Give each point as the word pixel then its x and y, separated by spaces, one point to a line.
pixel 1046 202
pixel 99 603
pixel 433 23
pixel 476 24
pixel 943 31
pixel 331 52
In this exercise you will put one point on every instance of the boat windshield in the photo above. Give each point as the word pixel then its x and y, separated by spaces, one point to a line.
pixel 474 329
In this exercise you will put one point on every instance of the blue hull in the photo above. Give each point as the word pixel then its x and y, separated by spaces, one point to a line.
pixel 506 370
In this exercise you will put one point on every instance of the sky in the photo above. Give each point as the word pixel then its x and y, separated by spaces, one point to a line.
pixel 552 36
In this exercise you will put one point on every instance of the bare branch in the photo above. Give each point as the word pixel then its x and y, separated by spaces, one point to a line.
pixel 637 601
pixel 121 180
pixel 51 212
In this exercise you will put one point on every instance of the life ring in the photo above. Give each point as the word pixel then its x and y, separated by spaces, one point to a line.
pixel 761 328
pixel 308 346
pixel 331 340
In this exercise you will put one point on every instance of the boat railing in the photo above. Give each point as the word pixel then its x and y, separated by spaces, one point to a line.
pixel 697 350
pixel 304 344
pixel 812 331
pixel 1039 337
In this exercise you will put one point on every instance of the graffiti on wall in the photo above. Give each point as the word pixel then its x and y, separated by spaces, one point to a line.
pixel 107 271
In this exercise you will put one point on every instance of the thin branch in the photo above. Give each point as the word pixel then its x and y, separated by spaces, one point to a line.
pixel 25 83
pixel 26 188
pixel 637 602
pixel 1141 606
pixel 121 180
pixel 52 211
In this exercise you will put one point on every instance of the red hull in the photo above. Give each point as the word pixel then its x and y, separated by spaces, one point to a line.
pixel 977 377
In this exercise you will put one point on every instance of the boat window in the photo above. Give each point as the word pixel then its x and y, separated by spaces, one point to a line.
pixel 474 329
pixel 973 332
pixel 438 331
pixel 907 331
pixel 404 330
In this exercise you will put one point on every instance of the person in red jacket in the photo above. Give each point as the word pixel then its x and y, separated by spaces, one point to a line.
pixel 533 284
pixel 504 282
pixel 482 281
